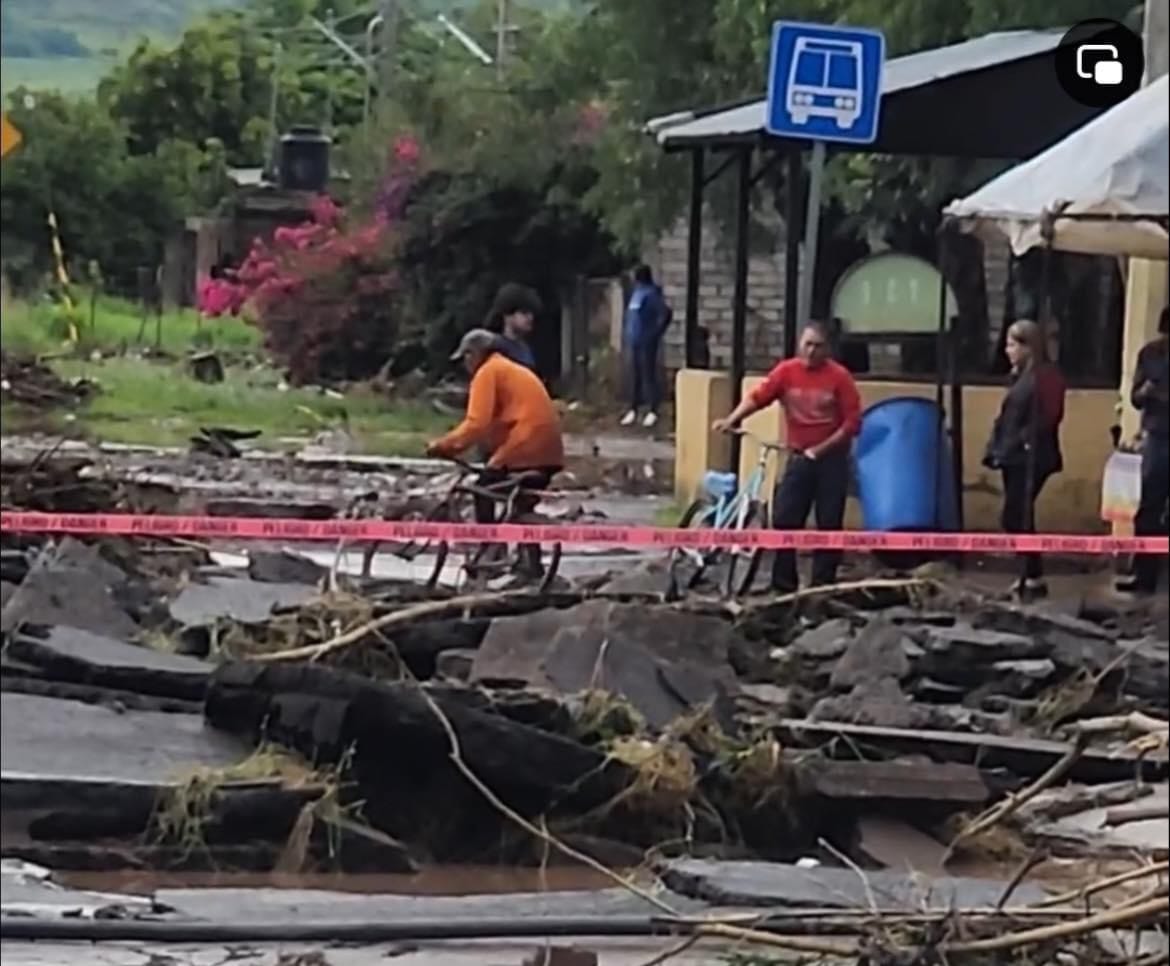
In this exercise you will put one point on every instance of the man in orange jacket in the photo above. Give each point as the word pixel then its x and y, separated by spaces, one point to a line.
pixel 510 414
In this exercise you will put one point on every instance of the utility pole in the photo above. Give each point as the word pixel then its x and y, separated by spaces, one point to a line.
pixel 273 105
pixel 504 30
pixel 389 50
pixel 331 21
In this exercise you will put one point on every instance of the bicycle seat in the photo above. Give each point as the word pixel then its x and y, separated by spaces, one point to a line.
pixel 720 485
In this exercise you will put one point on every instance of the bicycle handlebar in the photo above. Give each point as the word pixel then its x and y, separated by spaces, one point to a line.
pixel 759 441
pixel 466 466
pixel 512 477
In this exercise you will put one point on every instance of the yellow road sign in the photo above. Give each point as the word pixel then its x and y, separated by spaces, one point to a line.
pixel 10 136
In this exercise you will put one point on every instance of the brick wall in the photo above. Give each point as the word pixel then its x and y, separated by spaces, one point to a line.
pixel 996 258
pixel 765 316
pixel 765 301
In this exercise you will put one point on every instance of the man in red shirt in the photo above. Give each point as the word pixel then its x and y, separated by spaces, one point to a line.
pixel 822 414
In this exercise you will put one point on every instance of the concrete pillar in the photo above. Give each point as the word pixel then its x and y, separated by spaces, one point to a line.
pixel 700 397
pixel 617 313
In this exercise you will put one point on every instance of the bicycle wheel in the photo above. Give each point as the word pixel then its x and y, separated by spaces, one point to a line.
pixel 743 563
pixel 412 550
pixel 440 548
pixel 698 516
pixel 550 568
pixel 480 561
pixel 542 568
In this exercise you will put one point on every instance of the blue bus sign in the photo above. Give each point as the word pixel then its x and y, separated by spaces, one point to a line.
pixel 825 83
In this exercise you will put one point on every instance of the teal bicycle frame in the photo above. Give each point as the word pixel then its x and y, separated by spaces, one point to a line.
pixel 730 513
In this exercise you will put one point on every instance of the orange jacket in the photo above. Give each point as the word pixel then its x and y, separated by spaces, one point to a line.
pixel 510 413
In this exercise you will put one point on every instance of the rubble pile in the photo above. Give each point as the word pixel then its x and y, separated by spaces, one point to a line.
pixel 163 710
pixel 1001 668
pixel 614 718
pixel 26 381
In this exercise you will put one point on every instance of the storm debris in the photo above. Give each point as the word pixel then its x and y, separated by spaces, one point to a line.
pixel 25 380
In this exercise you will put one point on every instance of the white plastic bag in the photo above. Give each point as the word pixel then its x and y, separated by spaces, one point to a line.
pixel 1121 487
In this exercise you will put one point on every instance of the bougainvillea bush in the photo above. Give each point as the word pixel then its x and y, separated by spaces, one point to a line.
pixel 324 293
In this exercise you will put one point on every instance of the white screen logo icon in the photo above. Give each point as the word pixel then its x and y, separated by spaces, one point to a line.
pixel 1106 72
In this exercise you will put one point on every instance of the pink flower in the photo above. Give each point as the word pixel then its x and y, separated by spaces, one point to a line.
pixel 218 297
pixel 324 210
pixel 406 150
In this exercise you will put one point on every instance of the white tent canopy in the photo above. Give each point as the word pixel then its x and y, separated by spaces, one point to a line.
pixel 1106 186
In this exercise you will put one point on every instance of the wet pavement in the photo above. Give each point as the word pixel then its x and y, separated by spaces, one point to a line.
pixel 619 952
pixel 52 740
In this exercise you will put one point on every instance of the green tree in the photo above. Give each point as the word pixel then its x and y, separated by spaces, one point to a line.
pixel 111 207
pixel 506 164
pixel 218 81
pixel 658 56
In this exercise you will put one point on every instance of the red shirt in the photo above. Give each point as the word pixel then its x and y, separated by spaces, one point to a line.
pixel 1050 388
pixel 816 402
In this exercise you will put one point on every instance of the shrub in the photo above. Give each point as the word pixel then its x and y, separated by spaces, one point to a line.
pixel 324 293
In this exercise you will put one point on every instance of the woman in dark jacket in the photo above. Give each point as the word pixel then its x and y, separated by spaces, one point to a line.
pixel 1025 442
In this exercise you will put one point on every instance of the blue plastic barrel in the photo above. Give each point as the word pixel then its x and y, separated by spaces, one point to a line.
pixel 905 477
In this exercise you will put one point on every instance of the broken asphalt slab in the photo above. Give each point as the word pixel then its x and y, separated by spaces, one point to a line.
pixel 1088 831
pixel 925 781
pixel 50 743
pixel 28 890
pixel 663 662
pixel 306 905
pixel 762 884
pixel 1026 757
pixel 236 598
pixel 66 654
pixel 70 585
pixel 877 653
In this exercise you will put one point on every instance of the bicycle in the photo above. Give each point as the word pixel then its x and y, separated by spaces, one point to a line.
pixel 482 561
pixel 725 506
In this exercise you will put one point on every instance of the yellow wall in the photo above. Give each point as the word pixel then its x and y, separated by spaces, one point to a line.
pixel 1070 503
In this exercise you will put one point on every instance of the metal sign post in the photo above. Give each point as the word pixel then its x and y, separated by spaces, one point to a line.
pixel 824 86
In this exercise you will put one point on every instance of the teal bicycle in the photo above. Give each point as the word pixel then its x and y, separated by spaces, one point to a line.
pixel 724 505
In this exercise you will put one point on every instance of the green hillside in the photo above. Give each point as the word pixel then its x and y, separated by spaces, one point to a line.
pixel 70 44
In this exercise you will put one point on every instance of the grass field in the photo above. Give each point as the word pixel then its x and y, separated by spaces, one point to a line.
pixel 156 402
pixel 113 325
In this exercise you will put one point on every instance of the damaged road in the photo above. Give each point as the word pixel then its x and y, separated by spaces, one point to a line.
pixel 181 708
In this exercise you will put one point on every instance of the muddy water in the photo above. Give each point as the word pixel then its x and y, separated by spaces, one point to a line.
pixel 447 880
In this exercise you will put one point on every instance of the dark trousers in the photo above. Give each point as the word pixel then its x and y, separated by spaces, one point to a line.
pixel 1150 520
pixel 532 480
pixel 494 479
pixel 644 388
pixel 1019 512
pixel 819 485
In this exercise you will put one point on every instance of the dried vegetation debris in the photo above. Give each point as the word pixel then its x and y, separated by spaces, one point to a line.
pixel 29 382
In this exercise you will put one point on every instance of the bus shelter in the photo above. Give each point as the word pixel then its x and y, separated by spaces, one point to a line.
pixel 993 97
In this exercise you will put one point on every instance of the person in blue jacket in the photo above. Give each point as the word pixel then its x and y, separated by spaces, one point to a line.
pixel 646 320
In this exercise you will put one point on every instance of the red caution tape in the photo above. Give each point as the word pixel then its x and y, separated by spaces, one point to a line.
pixel 259 528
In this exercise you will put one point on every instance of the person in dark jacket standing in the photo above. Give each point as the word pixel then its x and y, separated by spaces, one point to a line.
pixel 513 315
pixel 1150 396
pixel 1025 441
pixel 646 320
